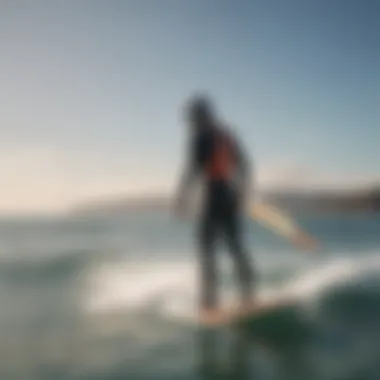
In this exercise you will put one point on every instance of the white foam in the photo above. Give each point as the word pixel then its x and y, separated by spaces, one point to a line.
pixel 332 273
pixel 171 287
pixel 138 285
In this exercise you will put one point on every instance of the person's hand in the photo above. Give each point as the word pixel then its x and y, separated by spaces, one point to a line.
pixel 180 209
pixel 242 200
pixel 305 242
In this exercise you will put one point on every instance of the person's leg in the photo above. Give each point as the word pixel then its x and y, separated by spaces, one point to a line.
pixel 208 269
pixel 234 238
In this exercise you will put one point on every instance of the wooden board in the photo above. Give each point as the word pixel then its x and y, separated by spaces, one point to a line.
pixel 262 309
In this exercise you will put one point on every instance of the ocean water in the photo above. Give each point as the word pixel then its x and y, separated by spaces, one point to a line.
pixel 115 298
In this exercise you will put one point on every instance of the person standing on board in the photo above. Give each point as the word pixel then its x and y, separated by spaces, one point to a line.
pixel 218 159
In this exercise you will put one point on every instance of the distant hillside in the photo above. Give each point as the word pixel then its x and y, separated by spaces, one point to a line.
pixel 327 201
pixel 321 201
pixel 120 206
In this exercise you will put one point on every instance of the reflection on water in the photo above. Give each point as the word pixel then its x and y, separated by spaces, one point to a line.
pixel 234 364
pixel 237 354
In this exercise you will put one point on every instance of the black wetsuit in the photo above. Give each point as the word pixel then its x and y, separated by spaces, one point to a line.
pixel 221 216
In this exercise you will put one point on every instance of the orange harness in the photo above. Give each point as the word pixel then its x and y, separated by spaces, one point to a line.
pixel 222 161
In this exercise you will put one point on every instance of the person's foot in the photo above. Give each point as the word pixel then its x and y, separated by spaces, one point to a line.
pixel 247 306
pixel 212 317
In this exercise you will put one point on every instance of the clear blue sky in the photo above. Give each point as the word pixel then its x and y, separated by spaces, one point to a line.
pixel 91 91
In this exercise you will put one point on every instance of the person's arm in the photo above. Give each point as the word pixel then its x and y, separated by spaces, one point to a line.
pixel 187 179
pixel 245 174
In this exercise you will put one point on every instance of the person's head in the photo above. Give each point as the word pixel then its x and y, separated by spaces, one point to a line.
pixel 200 113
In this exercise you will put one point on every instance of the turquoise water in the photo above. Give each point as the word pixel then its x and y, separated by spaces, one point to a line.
pixel 111 298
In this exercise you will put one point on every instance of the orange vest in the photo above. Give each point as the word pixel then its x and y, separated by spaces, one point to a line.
pixel 222 161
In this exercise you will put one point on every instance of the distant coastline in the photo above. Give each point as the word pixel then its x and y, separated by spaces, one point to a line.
pixel 123 205
pixel 367 200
